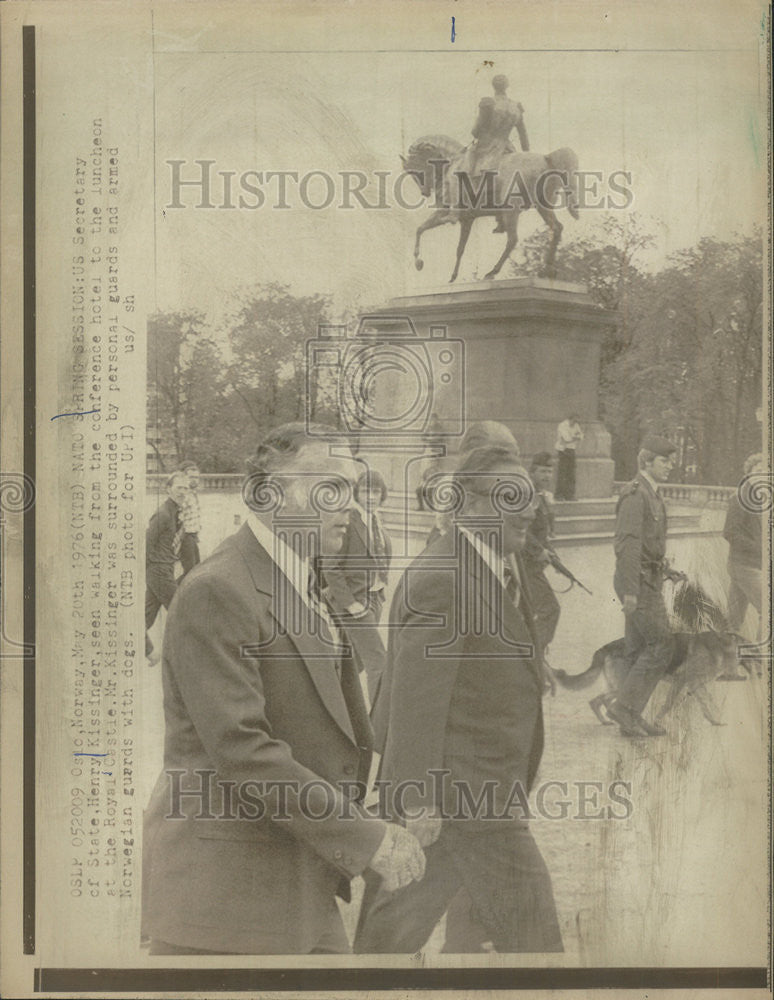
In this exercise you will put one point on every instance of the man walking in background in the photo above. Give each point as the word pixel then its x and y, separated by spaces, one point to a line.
pixel 568 436
pixel 640 546
pixel 162 551
pixel 191 518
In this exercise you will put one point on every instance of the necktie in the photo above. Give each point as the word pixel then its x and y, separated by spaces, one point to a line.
pixel 377 538
pixel 318 606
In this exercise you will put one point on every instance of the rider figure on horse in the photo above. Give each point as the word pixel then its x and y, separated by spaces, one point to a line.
pixel 497 117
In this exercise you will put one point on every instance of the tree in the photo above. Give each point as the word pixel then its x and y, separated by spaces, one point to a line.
pixel 694 368
pixel 685 359
pixel 179 357
pixel 268 337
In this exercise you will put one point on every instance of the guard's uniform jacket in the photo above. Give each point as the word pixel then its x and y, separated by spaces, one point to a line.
pixel 544 602
pixel 640 538
pixel 540 528
pixel 640 544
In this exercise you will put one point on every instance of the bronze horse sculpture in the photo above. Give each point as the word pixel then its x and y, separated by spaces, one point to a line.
pixel 522 181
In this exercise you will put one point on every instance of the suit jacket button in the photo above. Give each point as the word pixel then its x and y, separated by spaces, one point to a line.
pixel 338 855
pixel 349 769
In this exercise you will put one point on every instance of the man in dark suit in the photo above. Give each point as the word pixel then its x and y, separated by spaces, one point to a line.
pixel 162 550
pixel 357 576
pixel 256 821
pixel 459 714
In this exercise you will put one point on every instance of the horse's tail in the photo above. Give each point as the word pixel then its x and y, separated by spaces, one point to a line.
pixel 566 162
pixel 576 682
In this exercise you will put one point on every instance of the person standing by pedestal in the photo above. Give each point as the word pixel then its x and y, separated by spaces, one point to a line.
pixel 640 546
pixel 569 434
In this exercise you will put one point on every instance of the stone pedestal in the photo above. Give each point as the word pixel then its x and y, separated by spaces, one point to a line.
pixel 524 352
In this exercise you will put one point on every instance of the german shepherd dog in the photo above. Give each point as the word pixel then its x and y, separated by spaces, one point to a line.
pixel 697 659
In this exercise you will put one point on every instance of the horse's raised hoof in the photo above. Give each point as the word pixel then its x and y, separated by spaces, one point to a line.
pixel 419 263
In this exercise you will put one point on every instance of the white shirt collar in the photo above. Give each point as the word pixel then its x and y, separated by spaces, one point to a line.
pixel 495 562
pixel 649 479
pixel 296 569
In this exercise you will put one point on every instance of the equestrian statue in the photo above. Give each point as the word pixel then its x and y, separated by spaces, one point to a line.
pixel 489 177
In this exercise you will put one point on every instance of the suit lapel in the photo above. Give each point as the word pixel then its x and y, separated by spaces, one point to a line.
pixel 297 622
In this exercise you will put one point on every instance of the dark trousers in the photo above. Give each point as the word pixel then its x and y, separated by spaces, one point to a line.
pixel 649 645
pixel 565 475
pixel 492 884
pixel 544 603
pixel 159 591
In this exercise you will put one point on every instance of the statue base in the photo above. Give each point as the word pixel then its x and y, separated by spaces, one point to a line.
pixel 524 352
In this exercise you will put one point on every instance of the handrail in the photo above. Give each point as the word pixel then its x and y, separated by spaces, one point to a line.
pixel 694 494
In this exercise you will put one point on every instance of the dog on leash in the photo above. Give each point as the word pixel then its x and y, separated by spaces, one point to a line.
pixel 696 660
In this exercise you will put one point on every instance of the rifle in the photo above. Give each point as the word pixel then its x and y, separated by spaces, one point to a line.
pixel 559 566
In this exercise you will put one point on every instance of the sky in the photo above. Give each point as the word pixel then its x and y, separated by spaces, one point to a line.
pixel 688 126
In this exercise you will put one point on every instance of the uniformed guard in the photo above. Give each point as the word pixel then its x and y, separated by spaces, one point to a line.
pixel 640 568
pixel 538 551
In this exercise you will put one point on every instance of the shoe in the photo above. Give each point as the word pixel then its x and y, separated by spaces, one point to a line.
pixel 731 677
pixel 628 721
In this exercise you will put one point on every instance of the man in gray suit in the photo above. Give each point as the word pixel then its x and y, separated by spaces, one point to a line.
pixel 256 822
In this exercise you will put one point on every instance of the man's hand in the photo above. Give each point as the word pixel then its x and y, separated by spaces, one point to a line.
pixel 426 829
pixel 629 603
pixel 357 608
pixel 399 859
